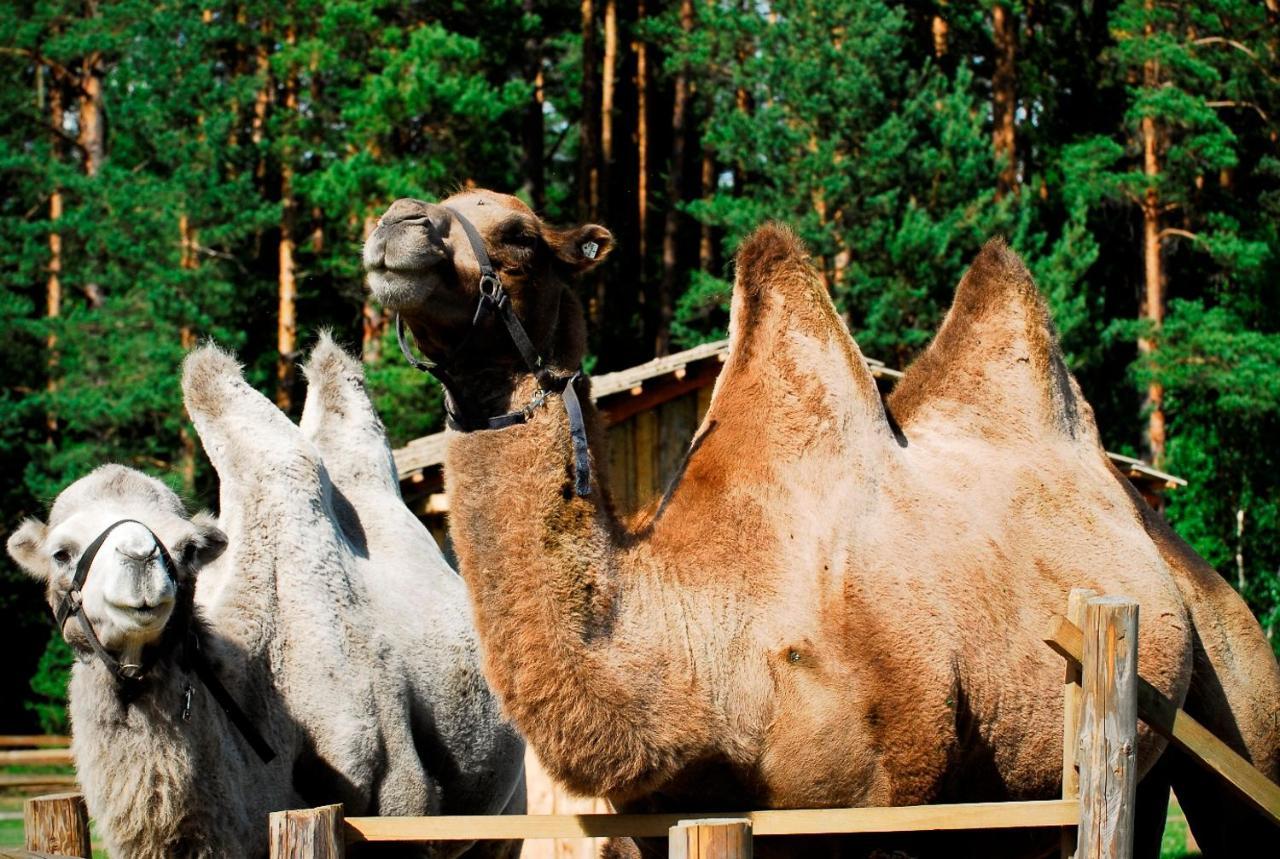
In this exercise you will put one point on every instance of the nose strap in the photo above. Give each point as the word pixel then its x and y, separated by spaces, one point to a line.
pixel 73 602
pixel 192 656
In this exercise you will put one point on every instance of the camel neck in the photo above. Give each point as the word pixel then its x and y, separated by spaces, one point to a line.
pixel 561 606
pixel 140 753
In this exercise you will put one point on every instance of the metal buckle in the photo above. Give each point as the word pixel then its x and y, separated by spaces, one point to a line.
pixel 491 288
pixel 534 404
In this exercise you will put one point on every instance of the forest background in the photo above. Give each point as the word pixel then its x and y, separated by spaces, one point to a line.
pixel 173 171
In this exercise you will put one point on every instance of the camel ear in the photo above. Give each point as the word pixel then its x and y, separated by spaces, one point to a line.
pixel 995 367
pixel 581 248
pixel 203 545
pixel 24 547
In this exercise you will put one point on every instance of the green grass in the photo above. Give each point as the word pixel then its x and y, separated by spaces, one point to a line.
pixel 1176 834
pixel 10 833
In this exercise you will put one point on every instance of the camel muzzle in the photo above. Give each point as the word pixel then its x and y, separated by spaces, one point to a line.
pixel 182 635
pixel 494 301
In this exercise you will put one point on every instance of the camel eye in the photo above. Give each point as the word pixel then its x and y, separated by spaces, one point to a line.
pixel 62 557
pixel 523 241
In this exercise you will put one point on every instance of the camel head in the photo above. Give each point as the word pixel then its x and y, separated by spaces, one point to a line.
pixel 129 594
pixel 421 265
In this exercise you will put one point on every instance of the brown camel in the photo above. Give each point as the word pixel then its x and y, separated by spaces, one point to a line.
pixel 839 601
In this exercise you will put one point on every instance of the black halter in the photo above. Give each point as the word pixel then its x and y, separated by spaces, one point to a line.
pixel 494 299
pixel 180 634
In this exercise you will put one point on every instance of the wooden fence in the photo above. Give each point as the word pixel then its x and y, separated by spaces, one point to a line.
pixel 1103 699
pixel 35 750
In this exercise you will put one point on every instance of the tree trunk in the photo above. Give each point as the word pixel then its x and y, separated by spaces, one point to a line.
pixel 608 77
pixel 261 101
pixel 706 250
pixel 92 137
pixel 672 216
pixel 535 183
pixel 187 261
pixel 287 314
pixel 1152 305
pixel 53 286
pixel 642 141
pixel 941 30
pixel 1240 577
pixel 373 319
pixel 1004 98
pixel 588 158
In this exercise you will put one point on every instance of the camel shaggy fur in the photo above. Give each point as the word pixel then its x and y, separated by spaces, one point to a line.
pixel 331 617
pixel 839 600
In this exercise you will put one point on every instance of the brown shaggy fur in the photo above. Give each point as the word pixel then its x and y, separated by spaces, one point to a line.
pixel 823 610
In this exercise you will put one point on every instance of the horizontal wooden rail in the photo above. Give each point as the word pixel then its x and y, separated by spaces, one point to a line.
pixel 35 757
pixel 26 741
pixel 827 821
pixel 14 780
pixel 1182 730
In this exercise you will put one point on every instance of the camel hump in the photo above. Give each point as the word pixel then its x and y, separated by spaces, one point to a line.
pixel 995 363
pixel 771 258
pixel 244 434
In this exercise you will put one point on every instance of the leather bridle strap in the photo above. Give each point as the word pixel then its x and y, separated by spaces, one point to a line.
pixel 73 604
pixel 494 299
pixel 228 704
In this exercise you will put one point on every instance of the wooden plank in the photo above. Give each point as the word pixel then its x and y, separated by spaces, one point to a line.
pixel 710 839
pixel 621 467
pixel 57 823
pixel 1072 701
pixel 704 401
pixel 677 421
pixel 547 796
pixel 655 392
pixel 826 821
pixel 307 833
pixel 645 464
pixel 1109 729
pixel 1183 731
pixel 26 741
pixel 14 780
pixel 35 757
pixel 6 853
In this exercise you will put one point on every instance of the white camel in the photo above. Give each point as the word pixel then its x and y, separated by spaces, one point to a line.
pixel 322 606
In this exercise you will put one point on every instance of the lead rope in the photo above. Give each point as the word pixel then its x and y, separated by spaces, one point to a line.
pixel 494 298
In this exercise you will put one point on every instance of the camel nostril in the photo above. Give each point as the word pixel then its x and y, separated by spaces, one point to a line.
pixel 138 554
pixel 404 209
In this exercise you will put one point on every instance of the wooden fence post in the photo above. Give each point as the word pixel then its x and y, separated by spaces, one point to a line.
pixel 1109 729
pixel 710 839
pixel 1072 700
pixel 57 823
pixel 308 833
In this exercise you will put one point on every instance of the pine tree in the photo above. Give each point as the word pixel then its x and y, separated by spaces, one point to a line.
pixel 819 120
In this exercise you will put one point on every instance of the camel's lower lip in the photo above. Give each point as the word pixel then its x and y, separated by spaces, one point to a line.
pixel 143 617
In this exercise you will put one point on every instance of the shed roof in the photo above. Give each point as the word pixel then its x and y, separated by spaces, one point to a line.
pixel 672 375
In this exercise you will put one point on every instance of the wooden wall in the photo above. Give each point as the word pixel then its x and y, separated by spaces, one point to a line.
pixel 647 447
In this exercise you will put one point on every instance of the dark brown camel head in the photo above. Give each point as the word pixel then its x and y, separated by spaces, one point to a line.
pixel 421 265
